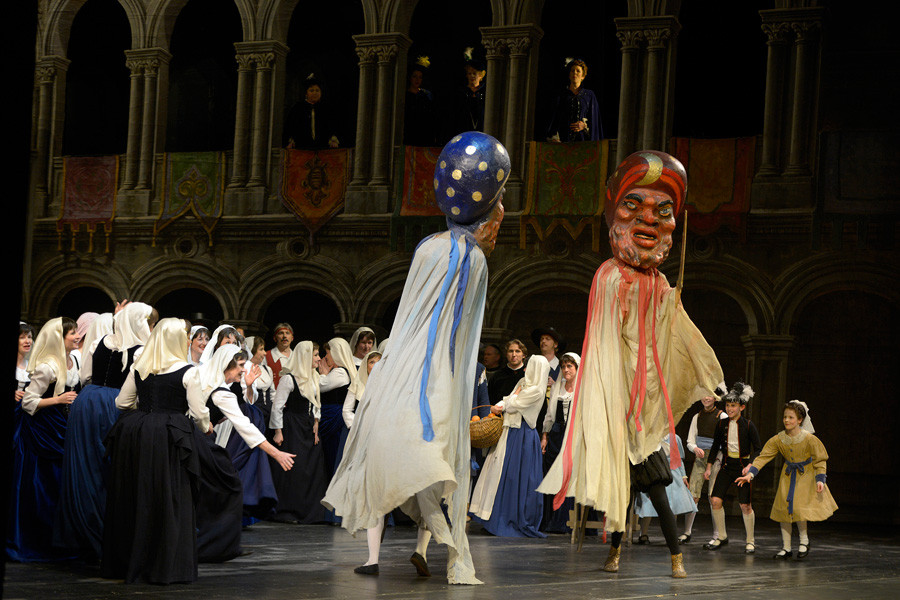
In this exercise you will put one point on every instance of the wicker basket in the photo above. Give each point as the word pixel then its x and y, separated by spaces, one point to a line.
pixel 486 432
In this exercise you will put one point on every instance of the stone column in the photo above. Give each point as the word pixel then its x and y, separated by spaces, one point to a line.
pixel 362 152
pixel 155 62
pixel 50 75
pixel 135 106
pixel 514 128
pixel 386 53
pixel 776 41
pixel 628 90
pixel 495 48
pixel 242 120
pixel 259 145
pixel 767 370
pixel 806 56
pixel 654 88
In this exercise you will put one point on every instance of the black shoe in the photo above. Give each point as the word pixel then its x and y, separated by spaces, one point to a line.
pixel 420 564
pixel 684 538
pixel 644 540
pixel 367 569
pixel 715 544
pixel 803 550
pixel 782 554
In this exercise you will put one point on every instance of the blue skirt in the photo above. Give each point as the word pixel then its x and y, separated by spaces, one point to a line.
pixel 678 494
pixel 85 471
pixel 518 507
pixel 253 468
pixel 333 434
pixel 34 486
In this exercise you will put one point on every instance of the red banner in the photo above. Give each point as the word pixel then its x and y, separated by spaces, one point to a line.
pixel 417 198
pixel 313 184
pixel 89 194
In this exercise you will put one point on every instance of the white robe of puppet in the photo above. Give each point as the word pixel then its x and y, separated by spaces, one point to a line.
pixel 602 434
pixel 387 463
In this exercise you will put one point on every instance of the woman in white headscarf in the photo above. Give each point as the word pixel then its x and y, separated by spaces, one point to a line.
pixel 337 374
pixel 198 339
pixel 228 489
pixel 39 429
pixel 294 421
pixel 355 391
pixel 361 343
pixel 505 499
pixel 554 428
pixel 223 334
pixel 82 506
pixel 150 526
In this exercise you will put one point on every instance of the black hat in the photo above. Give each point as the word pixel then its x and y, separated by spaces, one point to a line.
pixel 422 63
pixel 560 340
pixel 740 393
pixel 473 61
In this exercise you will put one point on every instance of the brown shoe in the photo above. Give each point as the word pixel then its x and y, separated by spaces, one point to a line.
pixel 612 561
pixel 420 564
pixel 678 566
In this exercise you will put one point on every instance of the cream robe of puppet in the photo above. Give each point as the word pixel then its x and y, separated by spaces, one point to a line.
pixel 643 363
pixel 409 445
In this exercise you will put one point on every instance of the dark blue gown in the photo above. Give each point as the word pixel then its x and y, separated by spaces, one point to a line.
pixel 82 499
pixel 38 442
pixel 570 108
pixel 332 432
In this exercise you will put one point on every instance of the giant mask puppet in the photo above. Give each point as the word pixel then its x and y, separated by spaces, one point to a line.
pixel 643 360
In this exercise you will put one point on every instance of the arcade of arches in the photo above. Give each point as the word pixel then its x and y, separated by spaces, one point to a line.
pixel 798 296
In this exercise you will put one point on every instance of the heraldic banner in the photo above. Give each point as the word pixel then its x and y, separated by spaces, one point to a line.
pixel 719 176
pixel 192 182
pixel 313 184
pixel 566 188
pixel 89 195
pixel 416 212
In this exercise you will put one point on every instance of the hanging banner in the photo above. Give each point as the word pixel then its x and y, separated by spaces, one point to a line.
pixel 719 176
pixel 566 188
pixel 313 183
pixel 192 182
pixel 89 195
pixel 416 214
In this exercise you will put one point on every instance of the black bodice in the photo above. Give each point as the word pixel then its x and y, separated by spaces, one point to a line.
pixel 107 366
pixel 336 395
pixel 162 393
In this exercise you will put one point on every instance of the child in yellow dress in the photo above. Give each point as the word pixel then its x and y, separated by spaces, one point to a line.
pixel 802 494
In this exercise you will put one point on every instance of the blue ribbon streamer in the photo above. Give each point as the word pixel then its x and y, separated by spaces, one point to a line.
pixel 457 308
pixel 424 408
pixel 792 469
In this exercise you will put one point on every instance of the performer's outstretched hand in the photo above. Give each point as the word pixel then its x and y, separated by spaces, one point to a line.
pixel 742 480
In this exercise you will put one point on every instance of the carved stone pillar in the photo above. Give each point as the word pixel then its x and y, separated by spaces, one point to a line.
pixel 50 75
pixel 657 40
pixel 767 370
pixel 153 105
pixel 261 135
pixel 776 42
pixel 514 137
pixel 387 54
pixel 628 108
pixel 242 121
pixel 651 68
pixel 806 56
pixel 363 149
pixel 380 108
pixel 495 48
pixel 135 106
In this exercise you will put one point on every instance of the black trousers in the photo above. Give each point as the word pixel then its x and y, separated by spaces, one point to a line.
pixel 660 501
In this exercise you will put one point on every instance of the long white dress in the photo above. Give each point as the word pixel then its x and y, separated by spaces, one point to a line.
pixel 391 459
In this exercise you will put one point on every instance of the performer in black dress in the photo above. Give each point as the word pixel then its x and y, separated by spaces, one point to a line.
pixel 150 531
pixel 295 429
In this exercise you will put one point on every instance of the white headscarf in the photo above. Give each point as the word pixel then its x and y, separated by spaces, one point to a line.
pixel 343 357
pixel 131 327
pixel 354 339
pixel 50 348
pixel 212 372
pixel 167 345
pixel 100 327
pixel 807 425
pixel 383 345
pixel 362 375
pixel 299 364
pixel 560 384
pixel 534 385
pixel 213 342
pixel 83 324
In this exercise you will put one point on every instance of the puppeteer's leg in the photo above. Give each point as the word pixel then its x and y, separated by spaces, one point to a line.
pixel 373 537
pixel 667 522
pixel 418 559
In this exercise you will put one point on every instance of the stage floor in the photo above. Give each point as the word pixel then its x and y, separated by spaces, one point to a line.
pixel 316 561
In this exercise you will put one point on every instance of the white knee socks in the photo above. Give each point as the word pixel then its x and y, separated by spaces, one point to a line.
pixel 373 538
pixel 718 516
pixel 804 535
pixel 786 536
pixel 689 522
pixel 749 525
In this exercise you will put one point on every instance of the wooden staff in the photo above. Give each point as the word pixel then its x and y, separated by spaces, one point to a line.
pixel 680 283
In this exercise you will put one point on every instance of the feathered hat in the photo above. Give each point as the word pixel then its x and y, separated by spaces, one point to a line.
pixel 740 393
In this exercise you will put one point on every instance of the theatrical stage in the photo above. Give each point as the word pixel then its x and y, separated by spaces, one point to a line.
pixel 293 562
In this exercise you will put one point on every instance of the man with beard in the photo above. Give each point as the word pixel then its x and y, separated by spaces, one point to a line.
pixel 277 356
pixel 643 360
